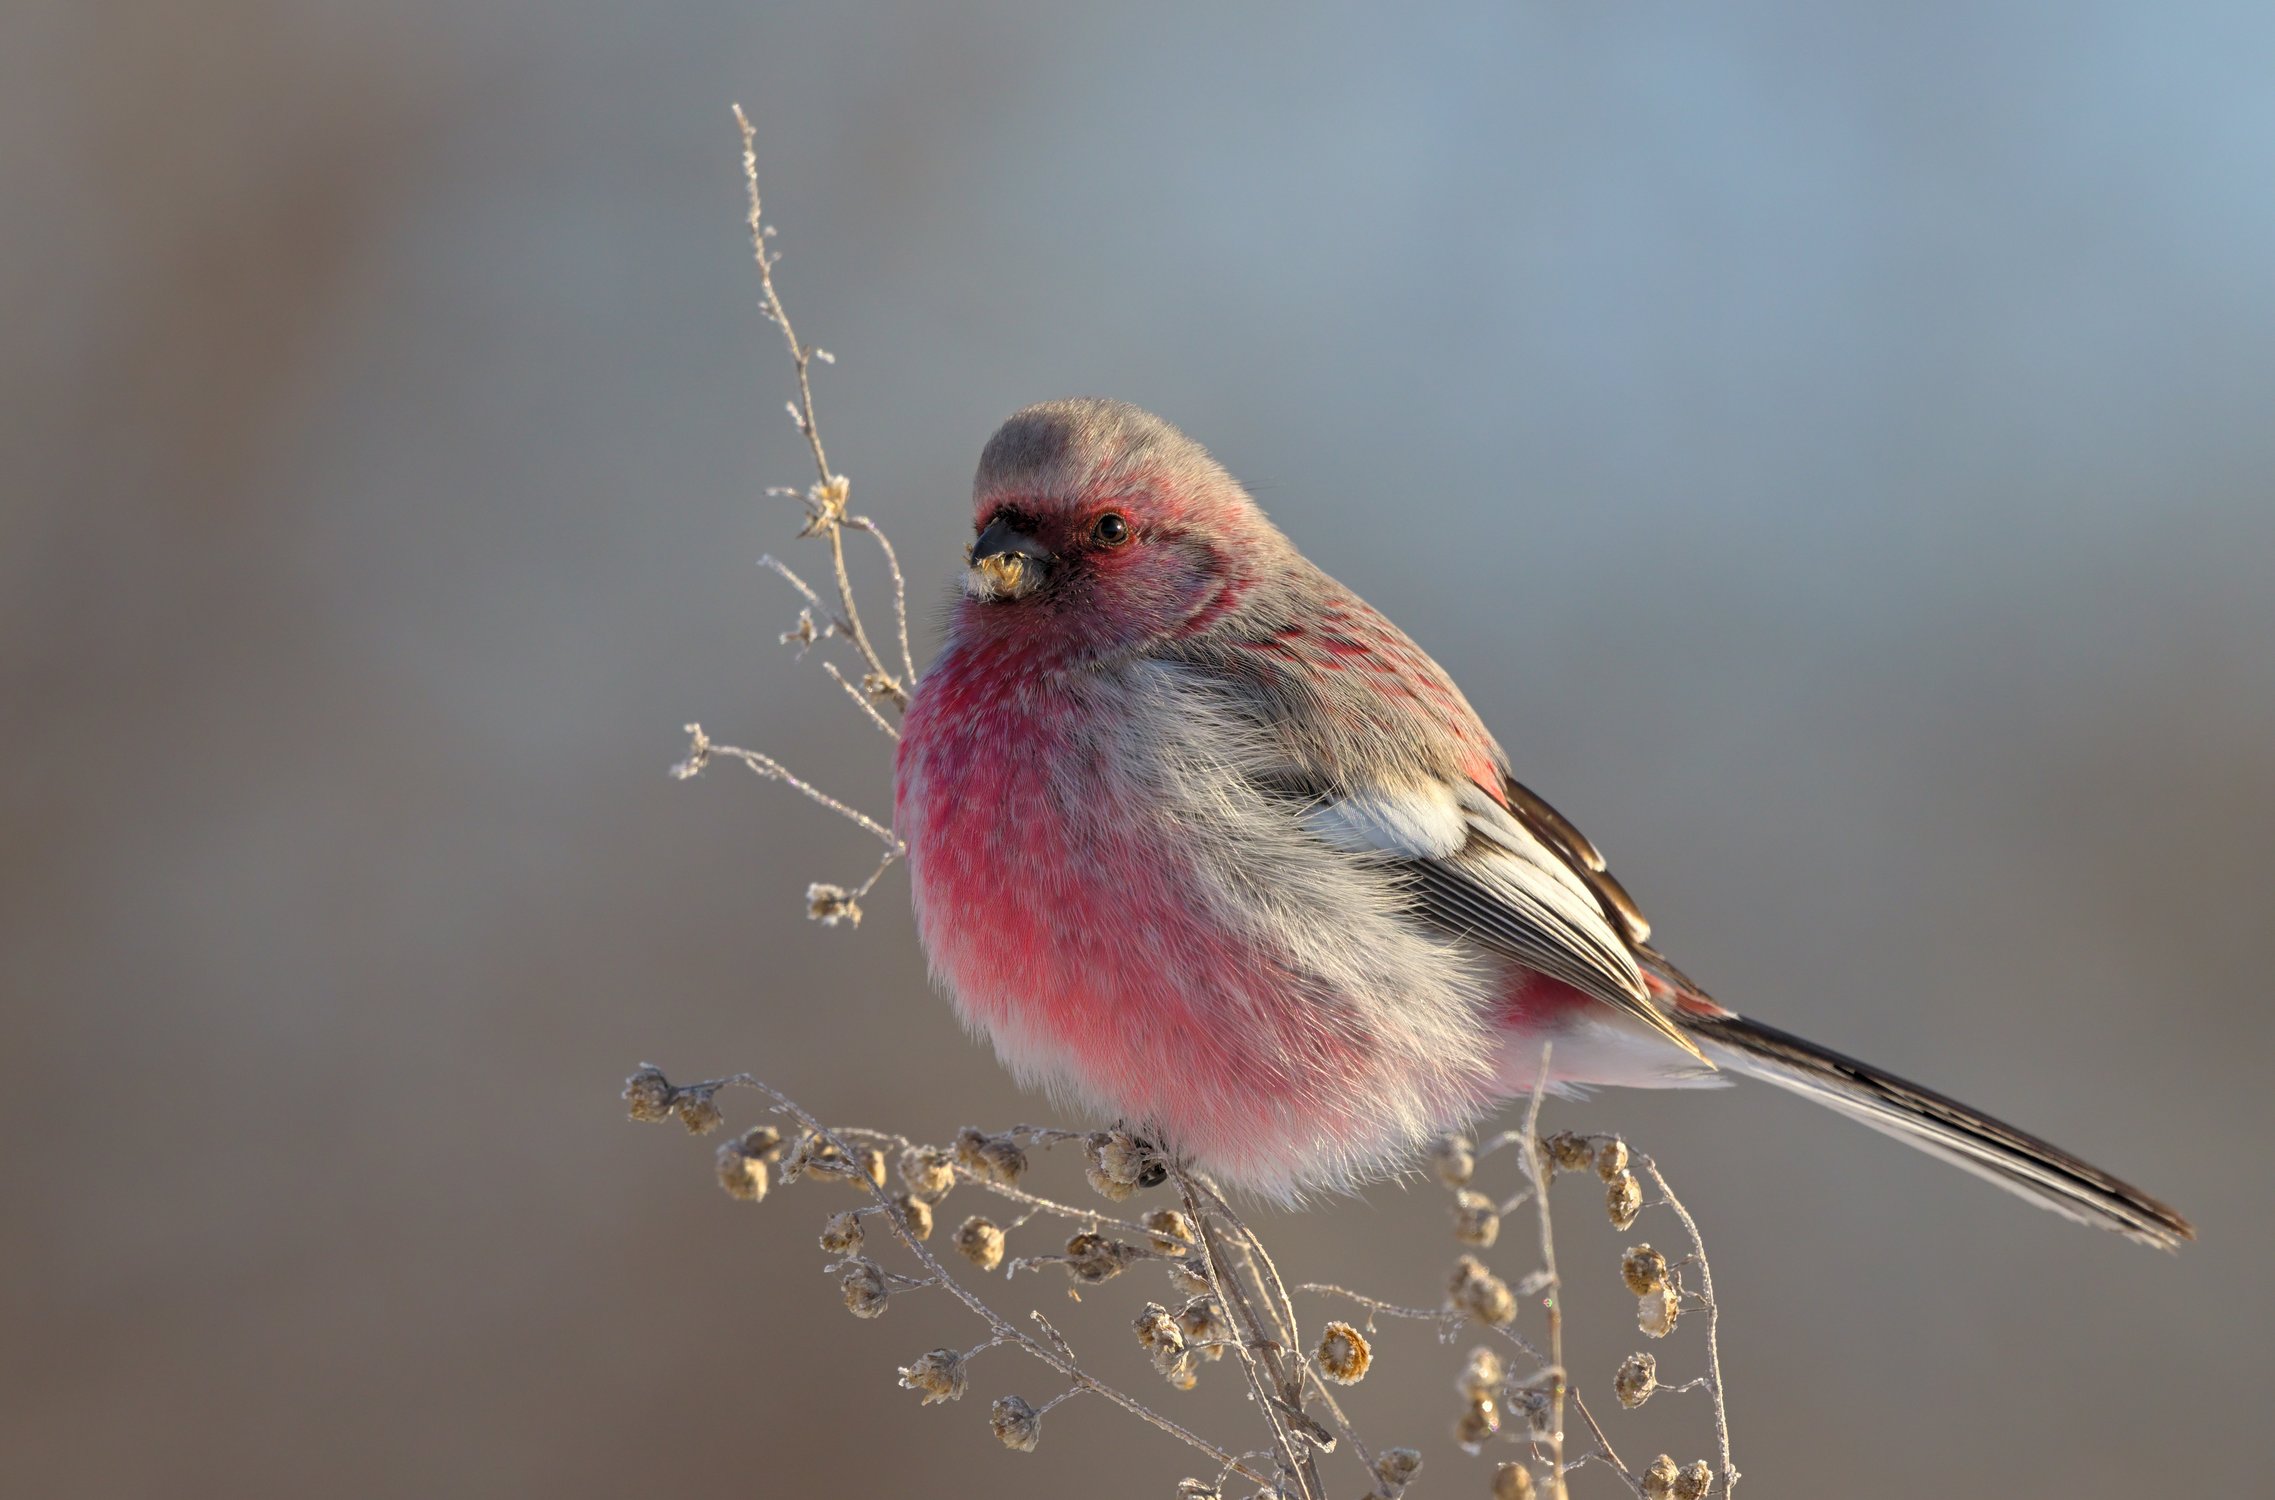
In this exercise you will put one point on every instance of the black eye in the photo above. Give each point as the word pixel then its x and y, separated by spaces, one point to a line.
pixel 1111 530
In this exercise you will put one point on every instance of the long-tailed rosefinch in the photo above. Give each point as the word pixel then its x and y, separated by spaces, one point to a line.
pixel 1201 840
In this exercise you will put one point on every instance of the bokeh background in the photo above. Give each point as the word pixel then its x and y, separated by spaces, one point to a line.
pixel 1830 444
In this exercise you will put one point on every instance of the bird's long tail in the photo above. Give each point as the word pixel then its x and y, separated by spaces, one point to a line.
pixel 2022 1164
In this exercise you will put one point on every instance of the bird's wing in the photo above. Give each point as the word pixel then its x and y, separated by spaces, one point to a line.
pixel 1388 760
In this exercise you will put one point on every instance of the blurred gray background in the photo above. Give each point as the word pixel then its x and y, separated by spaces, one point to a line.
pixel 1831 446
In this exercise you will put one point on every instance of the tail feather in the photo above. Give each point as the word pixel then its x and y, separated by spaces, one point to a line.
pixel 2022 1164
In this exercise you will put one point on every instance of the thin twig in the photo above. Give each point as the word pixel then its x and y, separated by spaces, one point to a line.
pixel 1713 1318
pixel 1536 1160
pixel 701 749
pixel 827 498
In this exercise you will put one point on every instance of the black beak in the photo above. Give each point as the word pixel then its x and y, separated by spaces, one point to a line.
pixel 1000 536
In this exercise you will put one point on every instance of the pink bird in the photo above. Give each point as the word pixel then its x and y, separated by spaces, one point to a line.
pixel 1204 843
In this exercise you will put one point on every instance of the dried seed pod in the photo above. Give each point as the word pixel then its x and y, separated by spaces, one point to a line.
pixel 979 1241
pixel 917 1212
pixel 696 1111
pixel 969 1142
pixel 1172 1231
pixel 648 1095
pixel 742 1173
pixel 1477 1424
pixel 1695 1482
pixel 1115 1163
pixel 1658 1481
pixel 1092 1257
pixel 927 1173
pixel 1643 1269
pixel 1636 1379
pixel 1001 1161
pixel 1198 1489
pixel 1476 1219
pixel 1188 1277
pixel 1483 1375
pixel 870 1165
pixel 1512 1482
pixel 1481 1294
pixel 1017 1425
pixel 841 1235
pixel 1159 1335
pixel 1656 1314
pixel 864 1287
pixel 1396 1468
pixel 1623 1199
pixel 1204 1324
pixel 1454 1159
pixel 1569 1152
pixel 939 1375
pixel 1611 1158
pixel 1182 1373
pixel 1343 1354
pixel 1537 1408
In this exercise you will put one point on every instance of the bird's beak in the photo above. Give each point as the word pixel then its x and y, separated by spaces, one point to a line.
pixel 1006 563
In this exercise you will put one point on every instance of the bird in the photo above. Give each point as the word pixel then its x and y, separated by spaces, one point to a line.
pixel 1201 841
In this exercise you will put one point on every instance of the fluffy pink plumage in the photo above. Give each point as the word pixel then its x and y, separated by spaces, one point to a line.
pixel 1204 843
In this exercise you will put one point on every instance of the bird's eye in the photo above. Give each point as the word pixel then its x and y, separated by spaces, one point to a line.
pixel 1111 530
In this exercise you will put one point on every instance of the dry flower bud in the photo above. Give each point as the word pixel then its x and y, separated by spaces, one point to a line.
pixel 1114 1162
pixel 1198 1489
pixel 1643 1269
pixel 742 1175
pixel 1637 1378
pixel 696 1111
pixel 1512 1482
pixel 1018 1426
pixel 1476 1219
pixel 864 1287
pixel 841 1235
pixel 1002 1161
pixel 917 1212
pixel 939 1375
pixel 647 1096
pixel 1569 1152
pixel 1656 1313
pixel 1482 1376
pixel 1623 1200
pixel 927 1173
pixel 1658 1481
pixel 832 904
pixel 1695 1482
pixel 1343 1354
pixel 1203 1322
pixel 1160 1337
pixel 870 1164
pixel 1477 1424
pixel 1481 1294
pixel 1538 1410
pixel 1396 1469
pixel 1454 1159
pixel 1188 1277
pixel 979 1241
pixel 1172 1232
pixel 1181 1373
pixel 968 1143
pixel 1611 1158
pixel 1091 1256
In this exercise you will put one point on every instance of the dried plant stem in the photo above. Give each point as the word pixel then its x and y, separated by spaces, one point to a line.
pixel 1537 1162
pixel 1713 1318
pixel 702 748
pixel 829 518
pixel 1259 1351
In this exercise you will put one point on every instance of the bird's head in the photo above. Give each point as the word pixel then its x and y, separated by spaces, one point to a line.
pixel 1099 527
